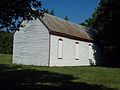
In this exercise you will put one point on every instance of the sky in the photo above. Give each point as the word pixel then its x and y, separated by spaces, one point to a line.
pixel 76 10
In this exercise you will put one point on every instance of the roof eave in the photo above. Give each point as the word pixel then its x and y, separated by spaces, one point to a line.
pixel 71 37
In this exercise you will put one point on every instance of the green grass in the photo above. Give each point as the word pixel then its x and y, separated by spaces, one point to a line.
pixel 5 59
pixel 57 78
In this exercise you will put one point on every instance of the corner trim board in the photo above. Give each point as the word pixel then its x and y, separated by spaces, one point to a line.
pixel 49 50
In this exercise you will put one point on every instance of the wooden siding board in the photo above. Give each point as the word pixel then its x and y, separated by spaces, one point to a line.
pixel 31 44
pixel 68 52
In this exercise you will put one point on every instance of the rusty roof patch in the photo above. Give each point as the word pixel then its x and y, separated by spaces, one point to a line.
pixel 62 27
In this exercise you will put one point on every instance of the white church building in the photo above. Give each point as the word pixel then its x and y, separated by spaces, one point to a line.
pixel 52 41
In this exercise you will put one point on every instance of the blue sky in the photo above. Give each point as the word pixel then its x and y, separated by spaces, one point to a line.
pixel 76 10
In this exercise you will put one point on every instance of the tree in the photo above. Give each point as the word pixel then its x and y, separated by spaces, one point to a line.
pixel 106 20
pixel 66 18
pixel 12 12
pixel 91 20
pixel 52 12
pixel 6 42
pixel 107 23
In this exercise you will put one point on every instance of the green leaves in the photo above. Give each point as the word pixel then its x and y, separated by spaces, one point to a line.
pixel 6 42
pixel 13 11
pixel 66 18
pixel 106 20
pixel 108 25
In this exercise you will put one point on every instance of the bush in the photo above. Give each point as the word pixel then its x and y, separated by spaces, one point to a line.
pixel 6 42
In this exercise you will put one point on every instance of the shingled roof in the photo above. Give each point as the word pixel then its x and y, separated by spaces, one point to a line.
pixel 58 26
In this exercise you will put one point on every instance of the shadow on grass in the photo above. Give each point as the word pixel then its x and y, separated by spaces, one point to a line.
pixel 14 78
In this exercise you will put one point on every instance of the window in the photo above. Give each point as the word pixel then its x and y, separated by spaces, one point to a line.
pixel 90 52
pixel 60 48
pixel 91 55
pixel 77 51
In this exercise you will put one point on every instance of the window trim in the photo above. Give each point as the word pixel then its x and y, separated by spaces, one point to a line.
pixel 60 54
pixel 77 52
pixel 90 51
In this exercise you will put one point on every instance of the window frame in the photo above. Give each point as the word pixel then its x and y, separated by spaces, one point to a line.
pixel 77 52
pixel 90 51
pixel 60 49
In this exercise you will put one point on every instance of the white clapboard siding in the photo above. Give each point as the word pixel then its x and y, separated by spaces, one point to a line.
pixel 69 54
pixel 31 44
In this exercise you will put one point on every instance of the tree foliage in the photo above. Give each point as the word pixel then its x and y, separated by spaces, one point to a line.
pixel 66 18
pixel 12 12
pixel 91 20
pixel 6 42
pixel 108 25
pixel 106 20
pixel 52 12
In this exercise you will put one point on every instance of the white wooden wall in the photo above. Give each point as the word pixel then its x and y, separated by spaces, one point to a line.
pixel 69 57
pixel 31 44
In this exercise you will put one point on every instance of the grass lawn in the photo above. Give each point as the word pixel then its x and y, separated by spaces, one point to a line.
pixel 15 77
